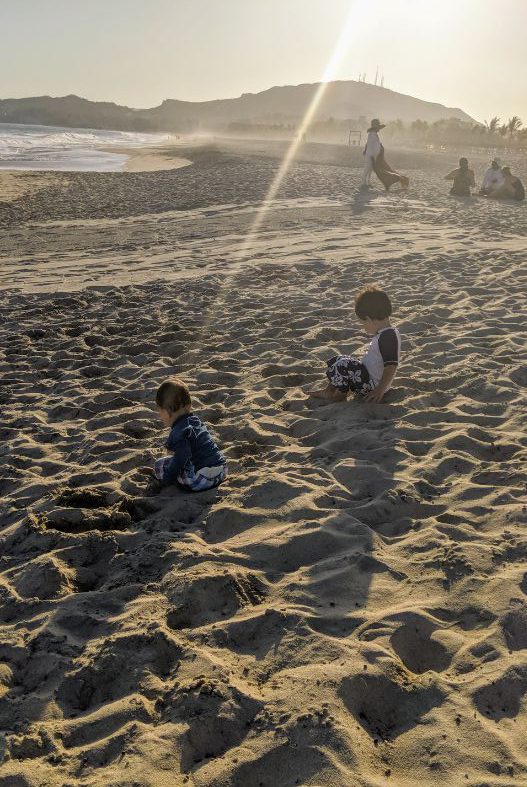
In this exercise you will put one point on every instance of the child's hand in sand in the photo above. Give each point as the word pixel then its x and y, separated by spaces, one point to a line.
pixel 147 477
pixel 375 395
pixel 148 471
pixel 153 487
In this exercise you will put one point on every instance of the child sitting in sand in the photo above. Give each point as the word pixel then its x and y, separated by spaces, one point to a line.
pixel 196 462
pixel 373 375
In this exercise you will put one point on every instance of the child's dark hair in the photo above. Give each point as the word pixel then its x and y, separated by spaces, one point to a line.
pixel 173 394
pixel 372 302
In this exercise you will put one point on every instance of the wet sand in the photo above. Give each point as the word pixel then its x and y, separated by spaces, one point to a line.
pixel 151 159
pixel 349 608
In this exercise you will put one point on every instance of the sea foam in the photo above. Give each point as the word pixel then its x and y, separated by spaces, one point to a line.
pixel 31 147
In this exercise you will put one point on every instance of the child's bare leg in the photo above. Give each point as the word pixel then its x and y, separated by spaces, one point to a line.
pixel 329 394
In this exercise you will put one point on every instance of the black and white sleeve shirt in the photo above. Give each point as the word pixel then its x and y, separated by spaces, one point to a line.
pixel 384 350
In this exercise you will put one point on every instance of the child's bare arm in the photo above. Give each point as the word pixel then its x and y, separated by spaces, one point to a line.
pixel 384 383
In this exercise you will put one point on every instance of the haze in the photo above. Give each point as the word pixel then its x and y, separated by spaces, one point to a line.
pixel 464 53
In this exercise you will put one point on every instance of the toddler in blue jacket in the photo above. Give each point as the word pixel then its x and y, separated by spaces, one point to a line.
pixel 195 462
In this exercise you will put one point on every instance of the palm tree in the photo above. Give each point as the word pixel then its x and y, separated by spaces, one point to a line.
pixel 514 124
pixel 420 125
pixel 492 124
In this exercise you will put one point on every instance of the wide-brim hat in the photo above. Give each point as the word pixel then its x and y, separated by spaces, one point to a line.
pixel 376 125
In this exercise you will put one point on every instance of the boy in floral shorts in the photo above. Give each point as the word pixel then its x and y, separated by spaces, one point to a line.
pixel 373 374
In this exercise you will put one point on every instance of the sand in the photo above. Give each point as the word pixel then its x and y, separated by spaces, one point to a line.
pixel 151 159
pixel 350 607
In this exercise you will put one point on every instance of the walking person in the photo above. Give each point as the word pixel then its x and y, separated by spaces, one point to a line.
pixel 371 151
pixel 375 161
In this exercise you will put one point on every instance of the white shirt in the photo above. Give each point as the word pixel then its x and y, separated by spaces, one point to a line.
pixel 373 146
pixel 376 358
pixel 493 179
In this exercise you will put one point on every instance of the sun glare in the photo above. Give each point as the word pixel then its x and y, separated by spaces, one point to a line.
pixel 341 48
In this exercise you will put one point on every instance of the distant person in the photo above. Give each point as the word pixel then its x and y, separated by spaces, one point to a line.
pixel 371 151
pixel 512 187
pixel 195 462
pixel 374 161
pixel 372 375
pixel 493 178
pixel 463 178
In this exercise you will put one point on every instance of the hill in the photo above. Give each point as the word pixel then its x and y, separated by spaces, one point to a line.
pixel 341 100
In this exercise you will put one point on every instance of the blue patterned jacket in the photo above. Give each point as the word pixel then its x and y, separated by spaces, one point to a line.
pixel 191 442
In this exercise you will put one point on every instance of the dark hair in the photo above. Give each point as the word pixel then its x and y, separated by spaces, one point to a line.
pixel 506 170
pixel 372 302
pixel 173 394
pixel 463 163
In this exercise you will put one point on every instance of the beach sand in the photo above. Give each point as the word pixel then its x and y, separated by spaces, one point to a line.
pixel 151 159
pixel 350 607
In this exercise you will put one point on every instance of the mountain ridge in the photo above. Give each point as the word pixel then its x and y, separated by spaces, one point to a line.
pixel 343 99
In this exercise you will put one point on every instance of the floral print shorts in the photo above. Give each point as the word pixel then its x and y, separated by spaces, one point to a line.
pixel 349 374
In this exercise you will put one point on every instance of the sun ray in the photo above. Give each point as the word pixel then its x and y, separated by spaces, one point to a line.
pixel 329 74
pixel 342 45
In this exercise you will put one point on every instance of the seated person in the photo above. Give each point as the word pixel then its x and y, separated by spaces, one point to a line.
pixel 372 375
pixel 493 178
pixel 195 461
pixel 512 187
pixel 463 178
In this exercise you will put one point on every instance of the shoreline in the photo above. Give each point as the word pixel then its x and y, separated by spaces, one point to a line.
pixel 151 158
pixel 153 162
pixel 122 158
pixel 18 183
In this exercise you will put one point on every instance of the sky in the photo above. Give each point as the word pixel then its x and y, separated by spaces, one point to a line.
pixel 463 53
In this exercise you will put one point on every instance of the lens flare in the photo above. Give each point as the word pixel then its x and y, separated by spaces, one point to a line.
pixel 332 66
pixel 341 48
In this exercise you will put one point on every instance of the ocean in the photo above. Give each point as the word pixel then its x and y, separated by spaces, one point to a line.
pixel 67 149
